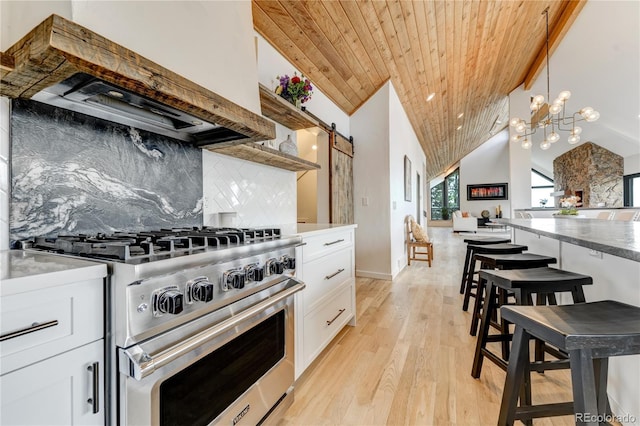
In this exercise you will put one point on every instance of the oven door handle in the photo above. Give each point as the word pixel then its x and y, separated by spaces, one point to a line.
pixel 138 364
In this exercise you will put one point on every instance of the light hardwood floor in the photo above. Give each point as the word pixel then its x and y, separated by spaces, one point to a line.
pixel 408 361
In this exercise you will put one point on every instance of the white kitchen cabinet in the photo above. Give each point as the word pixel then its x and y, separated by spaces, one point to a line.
pixel 52 340
pixel 61 390
pixel 328 303
pixel 70 314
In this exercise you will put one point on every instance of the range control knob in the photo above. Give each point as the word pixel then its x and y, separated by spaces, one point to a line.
pixel 274 266
pixel 233 278
pixel 289 262
pixel 199 290
pixel 254 272
pixel 170 302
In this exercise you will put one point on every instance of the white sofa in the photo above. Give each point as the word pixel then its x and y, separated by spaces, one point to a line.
pixel 464 224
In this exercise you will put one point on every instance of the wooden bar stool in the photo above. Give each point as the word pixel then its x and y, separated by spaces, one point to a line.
pixel 506 262
pixel 480 241
pixel 502 248
pixel 590 333
pixel 522 283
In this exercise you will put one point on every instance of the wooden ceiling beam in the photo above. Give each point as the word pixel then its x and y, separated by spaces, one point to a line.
pixel 7 63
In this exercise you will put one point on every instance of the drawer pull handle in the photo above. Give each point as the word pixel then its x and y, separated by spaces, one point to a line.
pixel 34 327
pixel 334 242
pixel 94 401
pixel 328 277
pixel 336 317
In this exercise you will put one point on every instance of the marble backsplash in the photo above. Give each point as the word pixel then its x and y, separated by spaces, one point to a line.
pixel 71 173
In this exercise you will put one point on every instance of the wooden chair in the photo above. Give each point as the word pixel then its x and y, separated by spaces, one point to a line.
pixel 414 247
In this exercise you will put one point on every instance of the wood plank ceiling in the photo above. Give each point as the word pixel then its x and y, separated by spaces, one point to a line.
pixel 471 54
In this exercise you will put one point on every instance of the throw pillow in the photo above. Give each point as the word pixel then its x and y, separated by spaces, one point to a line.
pixel 418 232
pixel 465 214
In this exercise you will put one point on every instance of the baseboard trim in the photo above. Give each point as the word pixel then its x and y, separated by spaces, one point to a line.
pixel 375 275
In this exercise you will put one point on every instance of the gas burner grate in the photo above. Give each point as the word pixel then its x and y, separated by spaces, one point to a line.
pixel 125 246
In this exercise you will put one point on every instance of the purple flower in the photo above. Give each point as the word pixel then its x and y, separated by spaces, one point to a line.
pixel 299 88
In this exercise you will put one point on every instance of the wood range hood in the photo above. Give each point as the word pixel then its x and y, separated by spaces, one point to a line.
pixel 62 63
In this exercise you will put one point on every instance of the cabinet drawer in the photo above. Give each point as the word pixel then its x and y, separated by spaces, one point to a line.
pixel 322 325
pixel 72 312
pixel 324 275
pixel 319 245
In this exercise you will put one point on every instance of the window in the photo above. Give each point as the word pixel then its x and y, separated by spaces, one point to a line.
pixel 445 196
pixel 632 190
pixel 541 189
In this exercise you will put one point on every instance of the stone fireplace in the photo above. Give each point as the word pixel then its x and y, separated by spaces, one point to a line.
pixel 592 172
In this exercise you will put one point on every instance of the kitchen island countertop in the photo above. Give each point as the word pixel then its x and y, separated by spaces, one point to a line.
pixel 618 238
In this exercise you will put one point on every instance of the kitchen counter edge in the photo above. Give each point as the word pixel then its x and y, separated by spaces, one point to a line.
pixel 309 229
pixel 23 271
pixel 618 240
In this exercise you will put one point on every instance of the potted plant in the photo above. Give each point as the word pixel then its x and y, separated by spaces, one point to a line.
pixel 445 213
pixel 296 90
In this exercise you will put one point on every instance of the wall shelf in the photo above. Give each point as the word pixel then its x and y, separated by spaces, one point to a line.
pixel 279 110
pixel 265 155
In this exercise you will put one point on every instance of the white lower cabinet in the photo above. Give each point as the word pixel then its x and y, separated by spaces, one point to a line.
pixel 61 390
pixel 327 304
pixel 322 324
pixel 52 355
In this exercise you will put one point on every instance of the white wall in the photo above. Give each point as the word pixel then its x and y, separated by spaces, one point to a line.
pixel 196 39
pixel 402 141
pixel 370 130
pixel 519 158
pixel 486 164
pixel 19 17
pixel 378 175
pixel 272 64
pixel 208 42
pixel 632 164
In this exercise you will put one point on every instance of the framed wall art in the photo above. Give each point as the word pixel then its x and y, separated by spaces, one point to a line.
pixel 490 191
pixel 407 179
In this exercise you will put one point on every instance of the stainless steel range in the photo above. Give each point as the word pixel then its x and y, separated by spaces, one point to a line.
pixel 200 323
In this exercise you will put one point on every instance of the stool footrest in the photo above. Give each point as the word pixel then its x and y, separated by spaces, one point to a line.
pixel 495 358
pixel 555 352
pixel 540 366
pixel 498 338
pixel 544 410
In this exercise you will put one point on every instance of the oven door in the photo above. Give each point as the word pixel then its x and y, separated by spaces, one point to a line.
pixel 234 366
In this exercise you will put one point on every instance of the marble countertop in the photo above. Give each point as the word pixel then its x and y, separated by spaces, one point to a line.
pixel 618 238
pixel 307 229
pixel 579 208
pixel 22 271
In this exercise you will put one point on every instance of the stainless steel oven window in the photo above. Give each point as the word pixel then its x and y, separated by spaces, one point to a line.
pixel 201 392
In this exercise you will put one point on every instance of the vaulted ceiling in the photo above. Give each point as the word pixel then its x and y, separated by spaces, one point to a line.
pixel 471 54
